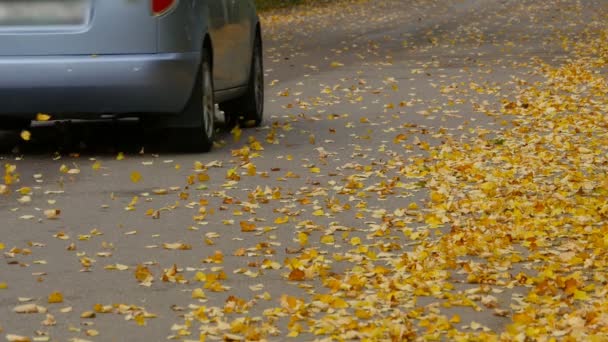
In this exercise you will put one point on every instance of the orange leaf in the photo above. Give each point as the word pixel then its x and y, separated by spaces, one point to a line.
pixel 247 226
pixel 296 275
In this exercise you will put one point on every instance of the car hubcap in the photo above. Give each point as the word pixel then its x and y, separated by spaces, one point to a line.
pixel 208 105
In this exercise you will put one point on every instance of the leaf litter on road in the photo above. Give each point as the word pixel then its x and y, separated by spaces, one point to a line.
pixel 510 222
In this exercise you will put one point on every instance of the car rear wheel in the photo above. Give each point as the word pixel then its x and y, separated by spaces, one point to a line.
pixel 249 108
pixel 199 114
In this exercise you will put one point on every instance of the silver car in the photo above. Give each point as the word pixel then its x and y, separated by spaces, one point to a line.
pixel 168 62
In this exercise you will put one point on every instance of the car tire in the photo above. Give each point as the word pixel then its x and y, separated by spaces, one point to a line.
pixel 248 109
pixel 199 114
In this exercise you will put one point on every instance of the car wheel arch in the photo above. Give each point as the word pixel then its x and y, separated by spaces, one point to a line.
pixel 207 47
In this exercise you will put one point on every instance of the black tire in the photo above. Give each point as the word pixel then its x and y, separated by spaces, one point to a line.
pixel 248 109
pixel 199 113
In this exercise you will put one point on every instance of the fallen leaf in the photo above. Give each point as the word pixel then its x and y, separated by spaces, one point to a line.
pixel 55 297
pixel 143 275
pixel 52 214
pixel 49 321
pixel 247 226
pixel 177 246
pixel 135 177
pixel 43 117
pixel 281 220
pixel 29 308
pixel 17 338
pixel 26 135
pixel 296 275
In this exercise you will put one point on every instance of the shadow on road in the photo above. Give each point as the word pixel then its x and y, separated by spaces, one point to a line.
pixel 90 138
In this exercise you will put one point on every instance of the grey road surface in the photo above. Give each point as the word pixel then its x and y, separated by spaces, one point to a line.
pixel 357 93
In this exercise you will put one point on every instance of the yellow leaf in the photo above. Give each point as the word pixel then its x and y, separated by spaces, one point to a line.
pixel 96 166
pixel 399 138
pixel 140 320
pixel 363 314
pixel 432 220
pixel 25 191
pixel 327 239
pixel 489 188
pixel 232 174
pixel 314 170
pixel 26 135
pixel 200 276
pixel 522 318
pixel 580 295
pixel 236 133
pixel 135 177
pixel 289 302
pixel 339 303
pixel 303 238
pixel 120 156
pixel 143 274
pixel 55 297
pixel 198 293
pixel 43 117
pixel 437 197
pixel 281 220
pixel 251 170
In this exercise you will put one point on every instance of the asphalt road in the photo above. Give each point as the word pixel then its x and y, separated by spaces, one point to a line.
pixel 356 93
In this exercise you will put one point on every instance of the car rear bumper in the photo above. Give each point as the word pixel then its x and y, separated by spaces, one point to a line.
pixel 81 86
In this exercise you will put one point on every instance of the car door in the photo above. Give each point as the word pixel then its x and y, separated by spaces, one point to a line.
pixel 241 15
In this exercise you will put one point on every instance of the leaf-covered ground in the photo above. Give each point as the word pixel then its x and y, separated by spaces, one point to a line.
pixel 436 173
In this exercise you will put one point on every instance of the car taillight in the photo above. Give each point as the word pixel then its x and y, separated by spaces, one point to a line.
pixel 160 7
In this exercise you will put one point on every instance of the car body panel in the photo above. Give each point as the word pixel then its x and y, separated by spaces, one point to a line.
pixel 109 27
pixel 241 15
pixel 82 85
pixel 121 59
pixel 218 20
